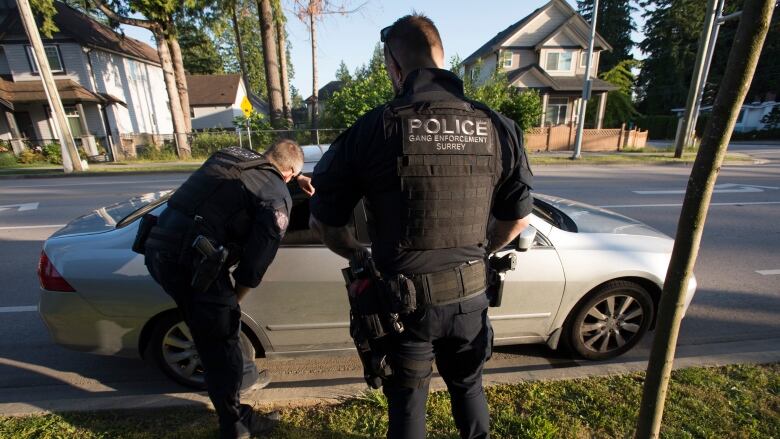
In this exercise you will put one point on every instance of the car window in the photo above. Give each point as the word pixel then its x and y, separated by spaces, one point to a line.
pixel 298 232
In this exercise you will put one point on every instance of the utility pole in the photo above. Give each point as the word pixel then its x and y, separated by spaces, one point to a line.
pixel 696 80
pixel 742 61
pixel 586 85
pixel 70 155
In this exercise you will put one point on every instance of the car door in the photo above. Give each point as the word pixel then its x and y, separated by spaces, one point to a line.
pixel 532 292
pixel 301 304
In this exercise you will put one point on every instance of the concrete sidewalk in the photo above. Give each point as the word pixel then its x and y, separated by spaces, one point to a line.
pixel 292 391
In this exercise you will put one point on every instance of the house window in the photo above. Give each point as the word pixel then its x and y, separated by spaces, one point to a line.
pixel 74 120
pixel 583 59
pixel 558 61
pixel 52 54
pixel 506 58
pixel 556 111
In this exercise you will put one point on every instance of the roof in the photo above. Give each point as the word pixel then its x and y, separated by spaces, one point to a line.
pixel 32 91
pixel 561 83
pixel 578 35
pixel 495 43
pixel 211 90
pixel 327 91
pixel 76 25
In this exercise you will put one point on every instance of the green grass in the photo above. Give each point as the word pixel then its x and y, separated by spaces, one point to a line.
pixel 629 157
pixel 726 402
pixel 103 168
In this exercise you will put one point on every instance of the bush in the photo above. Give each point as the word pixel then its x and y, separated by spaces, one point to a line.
pixel 151 152
pixel 7 159
pixel 53 153
pixel 28 157
pixel 206 143
pixel 659 127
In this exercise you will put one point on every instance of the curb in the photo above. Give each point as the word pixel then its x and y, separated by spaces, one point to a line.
pixel 94 174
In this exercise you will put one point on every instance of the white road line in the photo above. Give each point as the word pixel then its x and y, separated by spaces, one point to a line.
pixel 754 203
pixel 95 183
pixel 18 309
pixel 19 207
pixel 725 188
pixel 768 272
pixel 47 226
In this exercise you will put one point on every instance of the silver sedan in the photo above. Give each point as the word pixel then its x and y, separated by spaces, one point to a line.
pixel 587 279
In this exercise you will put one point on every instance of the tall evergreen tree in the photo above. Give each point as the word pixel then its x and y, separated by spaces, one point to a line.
pixel 615 24
pixel 198 50
pixel 672 30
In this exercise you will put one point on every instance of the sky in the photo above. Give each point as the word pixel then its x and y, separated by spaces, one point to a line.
pixel 463 25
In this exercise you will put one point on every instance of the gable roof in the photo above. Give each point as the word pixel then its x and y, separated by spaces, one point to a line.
pixel 571 26
pixel 327 91
pixel 75 25
pixel 32 91
pixel 496 42
pixel 561 83
pixel 211 90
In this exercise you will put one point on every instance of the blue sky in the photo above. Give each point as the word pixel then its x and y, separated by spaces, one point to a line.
pixel 464 26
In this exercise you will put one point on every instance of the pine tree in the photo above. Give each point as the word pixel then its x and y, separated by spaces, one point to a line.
pixel 615 24
pixel 672 30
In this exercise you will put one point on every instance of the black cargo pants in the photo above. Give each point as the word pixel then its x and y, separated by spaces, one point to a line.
pixel 214 320
pixel 460 339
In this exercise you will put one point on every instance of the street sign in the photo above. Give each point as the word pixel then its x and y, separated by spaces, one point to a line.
pixel 246 106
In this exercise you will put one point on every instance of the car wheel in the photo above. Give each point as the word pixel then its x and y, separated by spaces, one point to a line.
pixel 610 321
pixel 175 354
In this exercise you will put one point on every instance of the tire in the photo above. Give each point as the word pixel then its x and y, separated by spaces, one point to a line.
pixel 175 354
pixel 610 321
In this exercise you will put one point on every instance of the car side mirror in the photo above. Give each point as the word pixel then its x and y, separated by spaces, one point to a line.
pixel 526 239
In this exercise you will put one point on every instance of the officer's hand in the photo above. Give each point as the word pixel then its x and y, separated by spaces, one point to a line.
pixel 304 183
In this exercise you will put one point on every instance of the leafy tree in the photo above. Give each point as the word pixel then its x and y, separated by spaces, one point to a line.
pixel 771 120
pixel 342 74
pixel 248 43
pixel 615 24
pixel 619 107
pixel 199 53
pixel 672 30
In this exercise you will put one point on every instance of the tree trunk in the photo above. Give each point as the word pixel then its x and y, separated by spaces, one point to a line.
pixel 271 62
pixel 181 79
pixel 240 46
pixel 745 51
pixel 177 115
pixel 315 113
pixel 282 40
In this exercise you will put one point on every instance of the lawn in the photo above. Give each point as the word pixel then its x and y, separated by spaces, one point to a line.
pixel 646 156
pixel 731 402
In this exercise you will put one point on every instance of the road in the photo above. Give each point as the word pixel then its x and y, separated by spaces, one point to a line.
pixel 736 310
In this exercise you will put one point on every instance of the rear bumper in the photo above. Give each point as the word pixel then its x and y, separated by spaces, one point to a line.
pixel 73 323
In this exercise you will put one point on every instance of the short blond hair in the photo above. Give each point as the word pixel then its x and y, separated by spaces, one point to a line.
pixel 285 154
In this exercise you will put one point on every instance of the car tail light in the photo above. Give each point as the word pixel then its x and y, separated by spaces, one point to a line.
pixel 50 278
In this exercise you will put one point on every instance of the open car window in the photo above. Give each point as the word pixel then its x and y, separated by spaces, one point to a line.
pixel 298 231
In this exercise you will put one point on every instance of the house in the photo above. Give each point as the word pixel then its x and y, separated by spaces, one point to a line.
pixel 323 95
pixel 111 85
pixel 546 51
pixel 215 100
pixel 750 115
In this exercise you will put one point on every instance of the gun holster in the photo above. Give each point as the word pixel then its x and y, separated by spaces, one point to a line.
pixel 208 261
pixel 144 229
pixel 497 266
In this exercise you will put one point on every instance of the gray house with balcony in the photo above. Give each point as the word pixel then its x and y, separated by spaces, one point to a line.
pixel 546 51
pixel 111 85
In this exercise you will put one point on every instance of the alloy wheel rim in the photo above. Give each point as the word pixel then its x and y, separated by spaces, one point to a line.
pixel 180 354
pixel 611 323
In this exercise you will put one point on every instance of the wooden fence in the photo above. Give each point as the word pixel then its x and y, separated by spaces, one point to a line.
pixel 561 138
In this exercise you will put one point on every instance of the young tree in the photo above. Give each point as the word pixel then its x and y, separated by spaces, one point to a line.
pixel 672 30
pixel 620 108
pixel 342 74
pixel 742 62
pixel 615 25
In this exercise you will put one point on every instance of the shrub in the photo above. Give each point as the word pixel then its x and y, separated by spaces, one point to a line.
pixel 28 157
pixel 7 159
pixel 163 153
pixel 206 143
pixel 658 126
pixel 53 153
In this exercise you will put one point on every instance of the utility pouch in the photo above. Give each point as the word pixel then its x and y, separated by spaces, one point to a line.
pixel 144 228
pixel 497 266
pixel 209 260
pixel 403 294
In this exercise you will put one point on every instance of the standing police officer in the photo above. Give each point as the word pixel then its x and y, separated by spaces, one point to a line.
pixel 433 167
pixel 237 207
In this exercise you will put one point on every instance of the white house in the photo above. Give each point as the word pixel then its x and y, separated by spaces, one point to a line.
pixel 111 85
pixel 215 100
pixel 545 51
pixel 749 118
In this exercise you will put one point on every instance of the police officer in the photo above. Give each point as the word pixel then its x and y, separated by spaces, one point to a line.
pixel 433 167
pixel 237 200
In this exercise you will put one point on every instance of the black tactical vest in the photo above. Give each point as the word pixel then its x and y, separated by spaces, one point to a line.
pixel 215 192
pixel 449 165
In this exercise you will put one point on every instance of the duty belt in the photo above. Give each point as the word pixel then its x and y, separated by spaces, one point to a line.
pixel 450 286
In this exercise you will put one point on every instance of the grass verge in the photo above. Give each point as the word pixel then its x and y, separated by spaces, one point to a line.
pixel 733 401
pixel 102 168
pixel 634 157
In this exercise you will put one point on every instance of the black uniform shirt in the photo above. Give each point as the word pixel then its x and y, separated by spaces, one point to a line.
pixel 268 203
pixel 360 163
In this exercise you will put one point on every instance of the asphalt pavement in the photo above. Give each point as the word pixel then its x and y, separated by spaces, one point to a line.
pixel 734 317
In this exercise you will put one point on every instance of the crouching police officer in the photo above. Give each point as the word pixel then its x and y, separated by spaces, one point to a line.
pixel 433 167
pixel 234 209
